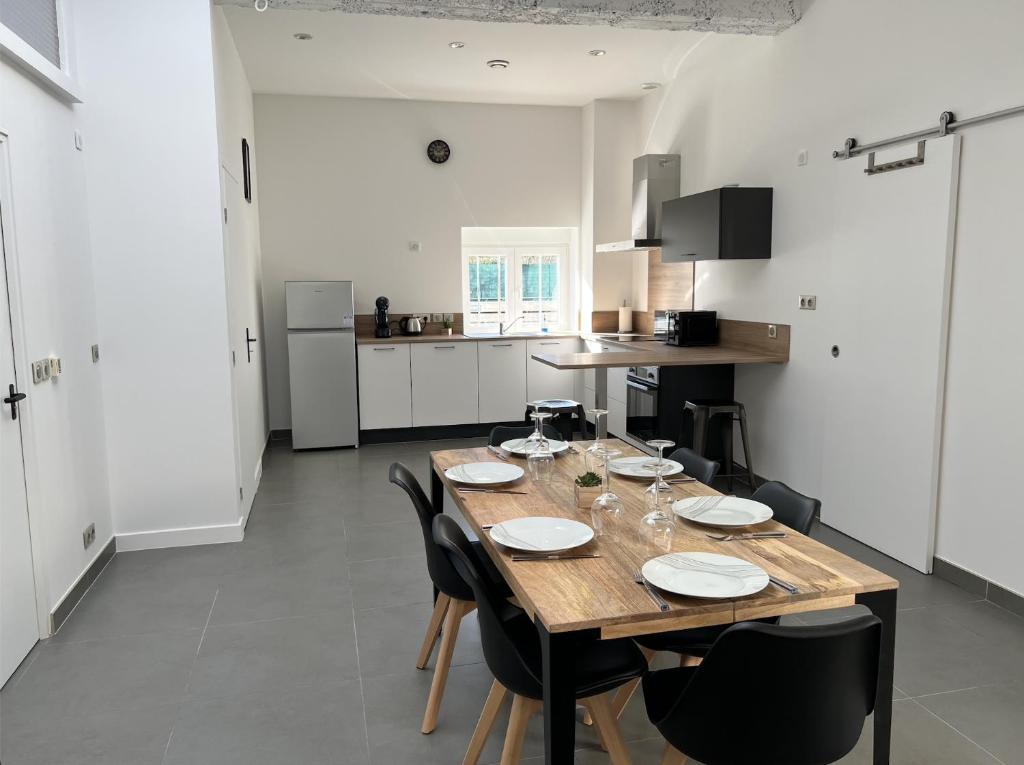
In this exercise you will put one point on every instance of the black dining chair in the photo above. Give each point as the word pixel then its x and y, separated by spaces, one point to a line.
pixel 502 433
pixel 799 694
pixel 512 651
pixel 454 598
pixel 695 466
pixel 790 508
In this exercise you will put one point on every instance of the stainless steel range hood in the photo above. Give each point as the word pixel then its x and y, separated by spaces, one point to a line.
pixel 655 180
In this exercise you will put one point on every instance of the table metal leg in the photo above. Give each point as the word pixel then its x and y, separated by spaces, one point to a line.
pixel 601 388
pixel 883 605
pixel 557 650
pixel 436 498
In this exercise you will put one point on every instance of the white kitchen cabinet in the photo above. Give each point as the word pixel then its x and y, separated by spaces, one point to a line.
pixel 544 382
pixel 502 379
pixel 385 386
pixel 444 383
pixel 616 417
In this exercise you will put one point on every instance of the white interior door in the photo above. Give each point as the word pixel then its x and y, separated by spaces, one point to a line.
pixel 19 629
pixel 888 310
pixel 244 323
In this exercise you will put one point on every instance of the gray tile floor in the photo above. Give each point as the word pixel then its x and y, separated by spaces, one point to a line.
pixel 297 646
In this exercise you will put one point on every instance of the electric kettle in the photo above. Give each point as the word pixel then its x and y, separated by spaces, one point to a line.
pixel 410 325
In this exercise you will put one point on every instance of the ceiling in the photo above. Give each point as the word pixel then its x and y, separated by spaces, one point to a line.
pixel 381 56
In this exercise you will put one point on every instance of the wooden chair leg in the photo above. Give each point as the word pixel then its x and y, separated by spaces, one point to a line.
pixel 485 723
pixel 522 710
pixel 672 756
pixel 685 660
pixel 625 692
pixel 456 610
pixel 433 630
pixel 608 728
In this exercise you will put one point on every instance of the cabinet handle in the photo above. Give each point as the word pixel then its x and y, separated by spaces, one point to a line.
pixel 555 342
pixel 444 347
pixel 383 349
pixel 501 345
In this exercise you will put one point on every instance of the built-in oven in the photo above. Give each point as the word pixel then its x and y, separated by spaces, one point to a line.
pixel 642 403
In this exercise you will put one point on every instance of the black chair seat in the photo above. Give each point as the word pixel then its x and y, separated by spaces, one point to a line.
pixel 662 690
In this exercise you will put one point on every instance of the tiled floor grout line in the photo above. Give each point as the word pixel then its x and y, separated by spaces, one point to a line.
pixel 359 664
pixel 954 690
pixel 957 731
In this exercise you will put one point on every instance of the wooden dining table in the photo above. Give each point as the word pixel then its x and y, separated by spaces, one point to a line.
pixel 586 599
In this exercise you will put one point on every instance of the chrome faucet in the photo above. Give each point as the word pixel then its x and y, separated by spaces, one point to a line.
pixel 503 328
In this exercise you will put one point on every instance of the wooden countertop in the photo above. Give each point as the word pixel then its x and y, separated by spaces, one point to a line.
pixel 657 354
pixel 364 339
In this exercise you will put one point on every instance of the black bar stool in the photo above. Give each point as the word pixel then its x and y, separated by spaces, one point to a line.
pixel 703 412
pixel 563 410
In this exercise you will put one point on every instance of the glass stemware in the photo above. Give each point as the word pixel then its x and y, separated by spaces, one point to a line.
pixel 657 527
pixel 534 439
pixel 607 512
pixel 541 461
pixel 593 454
pixel 661 445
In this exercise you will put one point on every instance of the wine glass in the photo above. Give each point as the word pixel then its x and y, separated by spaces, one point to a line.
pixel 657 527
pixel 534 439
pixel 661 445
pixel 541 460
pixel 600 432
pixel 607 512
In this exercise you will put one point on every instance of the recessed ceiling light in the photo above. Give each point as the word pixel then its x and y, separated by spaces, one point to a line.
pixel 597 52
pixel 498 63
pixel 302 36
pixel 650 86
pixel 456 44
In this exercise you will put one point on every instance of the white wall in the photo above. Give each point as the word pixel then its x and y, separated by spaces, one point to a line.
pixel 346 185
pixel 235 120
pixel 616 143
pixel 154 206
pixel 63 419
pixel 739 111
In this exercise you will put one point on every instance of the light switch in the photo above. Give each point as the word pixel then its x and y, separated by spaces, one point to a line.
pixel 79 143
pixel 55 366
pixel 415 247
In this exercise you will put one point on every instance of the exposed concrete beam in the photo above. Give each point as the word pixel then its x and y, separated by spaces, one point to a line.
pixel 762 17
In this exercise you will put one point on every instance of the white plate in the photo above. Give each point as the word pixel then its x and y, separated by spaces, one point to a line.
pixel 515 446
pixel 484 473
pixel 729 513
pixel 638 467
pixel 705 575
pixel 541 534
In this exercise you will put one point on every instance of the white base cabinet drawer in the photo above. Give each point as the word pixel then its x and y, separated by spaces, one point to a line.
pixel 543 381
pixel 385 386
pixel 444 383
pixel 502 380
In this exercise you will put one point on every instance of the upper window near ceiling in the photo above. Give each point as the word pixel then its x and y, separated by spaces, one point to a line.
pixel 37 23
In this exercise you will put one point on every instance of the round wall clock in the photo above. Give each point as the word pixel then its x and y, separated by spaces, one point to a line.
pixel 438 151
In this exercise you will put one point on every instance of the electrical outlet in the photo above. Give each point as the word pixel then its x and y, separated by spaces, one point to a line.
pixel 808 302
pixel 41 371
pixel 448 317
pixel 95 350
pixel 89 535
pixel 773 331
pixel 801 157
pixel 437 317
pixel 415 247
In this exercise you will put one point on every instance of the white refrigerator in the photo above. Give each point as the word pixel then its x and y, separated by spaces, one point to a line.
pixel 322 364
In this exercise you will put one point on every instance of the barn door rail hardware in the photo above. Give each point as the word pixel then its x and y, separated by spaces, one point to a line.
pixel 948 123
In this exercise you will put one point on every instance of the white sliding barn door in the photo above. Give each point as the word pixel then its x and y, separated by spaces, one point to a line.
pixel 887 310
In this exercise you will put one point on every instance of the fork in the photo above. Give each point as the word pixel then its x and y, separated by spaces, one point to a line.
pixel 497 453
pixel 752 535
pixel 638 577
pixel 710 503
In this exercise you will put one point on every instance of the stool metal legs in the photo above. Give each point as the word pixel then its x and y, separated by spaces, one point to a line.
pixel 746 448
pixel 703 416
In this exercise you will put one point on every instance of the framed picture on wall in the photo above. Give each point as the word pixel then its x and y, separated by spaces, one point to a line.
pixel 246 173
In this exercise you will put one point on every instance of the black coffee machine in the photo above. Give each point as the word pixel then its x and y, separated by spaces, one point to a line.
pixel 380 316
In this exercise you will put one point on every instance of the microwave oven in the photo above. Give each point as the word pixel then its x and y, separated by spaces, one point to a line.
pixel 688 328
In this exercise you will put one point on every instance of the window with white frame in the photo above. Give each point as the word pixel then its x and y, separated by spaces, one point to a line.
pixel 37 22
pixel 502 284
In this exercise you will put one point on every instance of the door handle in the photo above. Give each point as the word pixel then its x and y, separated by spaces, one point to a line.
pixel 13 400
pixel 249 340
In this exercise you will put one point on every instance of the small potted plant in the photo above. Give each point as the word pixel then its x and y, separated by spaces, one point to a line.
pixel 447 324
pixel 587 487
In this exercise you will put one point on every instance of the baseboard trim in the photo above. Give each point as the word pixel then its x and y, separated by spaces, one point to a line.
pixel 978 585
pixel 183 537
pixel 77 591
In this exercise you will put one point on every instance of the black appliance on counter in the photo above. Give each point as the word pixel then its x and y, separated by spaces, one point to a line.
pixel 691 328
pixel 382 326
pixel 655 398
